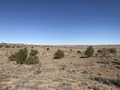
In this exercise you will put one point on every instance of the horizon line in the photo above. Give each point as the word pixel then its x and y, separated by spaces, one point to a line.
pixel 59 44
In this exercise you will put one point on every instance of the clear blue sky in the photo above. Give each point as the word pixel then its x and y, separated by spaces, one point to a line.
pixel 60 21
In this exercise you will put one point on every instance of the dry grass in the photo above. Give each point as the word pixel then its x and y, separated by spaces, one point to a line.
pixel 68 73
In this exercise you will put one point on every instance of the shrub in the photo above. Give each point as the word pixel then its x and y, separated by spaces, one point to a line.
pixel 58 54
pixel 33 52
pixel 104 52
pixel 78 52
pixel 99 51
pixel 90 51
pixel 21 56
pixel 47 49
pixel 106 56
pixel 112 50
pixel 32 60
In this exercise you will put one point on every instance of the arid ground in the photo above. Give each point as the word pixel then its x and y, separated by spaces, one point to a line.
pixel 73 72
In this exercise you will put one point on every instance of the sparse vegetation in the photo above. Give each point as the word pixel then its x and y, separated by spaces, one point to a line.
pixel 112 50
pixel 13 46
pixel 90 51
pixel 63 66
pixel 58 54
pixel 38 68
pixel 12 57
pixel 108 81
pixel 70 73
pixel 105 53
pixel 7 46
pixel 105 56
pixel 21 57
pixel 65 86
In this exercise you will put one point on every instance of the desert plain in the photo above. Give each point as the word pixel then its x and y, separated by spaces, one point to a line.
pixel 72 72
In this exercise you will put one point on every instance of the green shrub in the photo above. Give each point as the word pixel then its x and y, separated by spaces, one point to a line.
pixel 21 56
pixel 32 60
pixel 58 54
pixel 112 50
pixel 90 51
pixel 33 52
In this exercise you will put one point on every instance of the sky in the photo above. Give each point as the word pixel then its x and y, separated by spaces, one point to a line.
pixel 60 22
